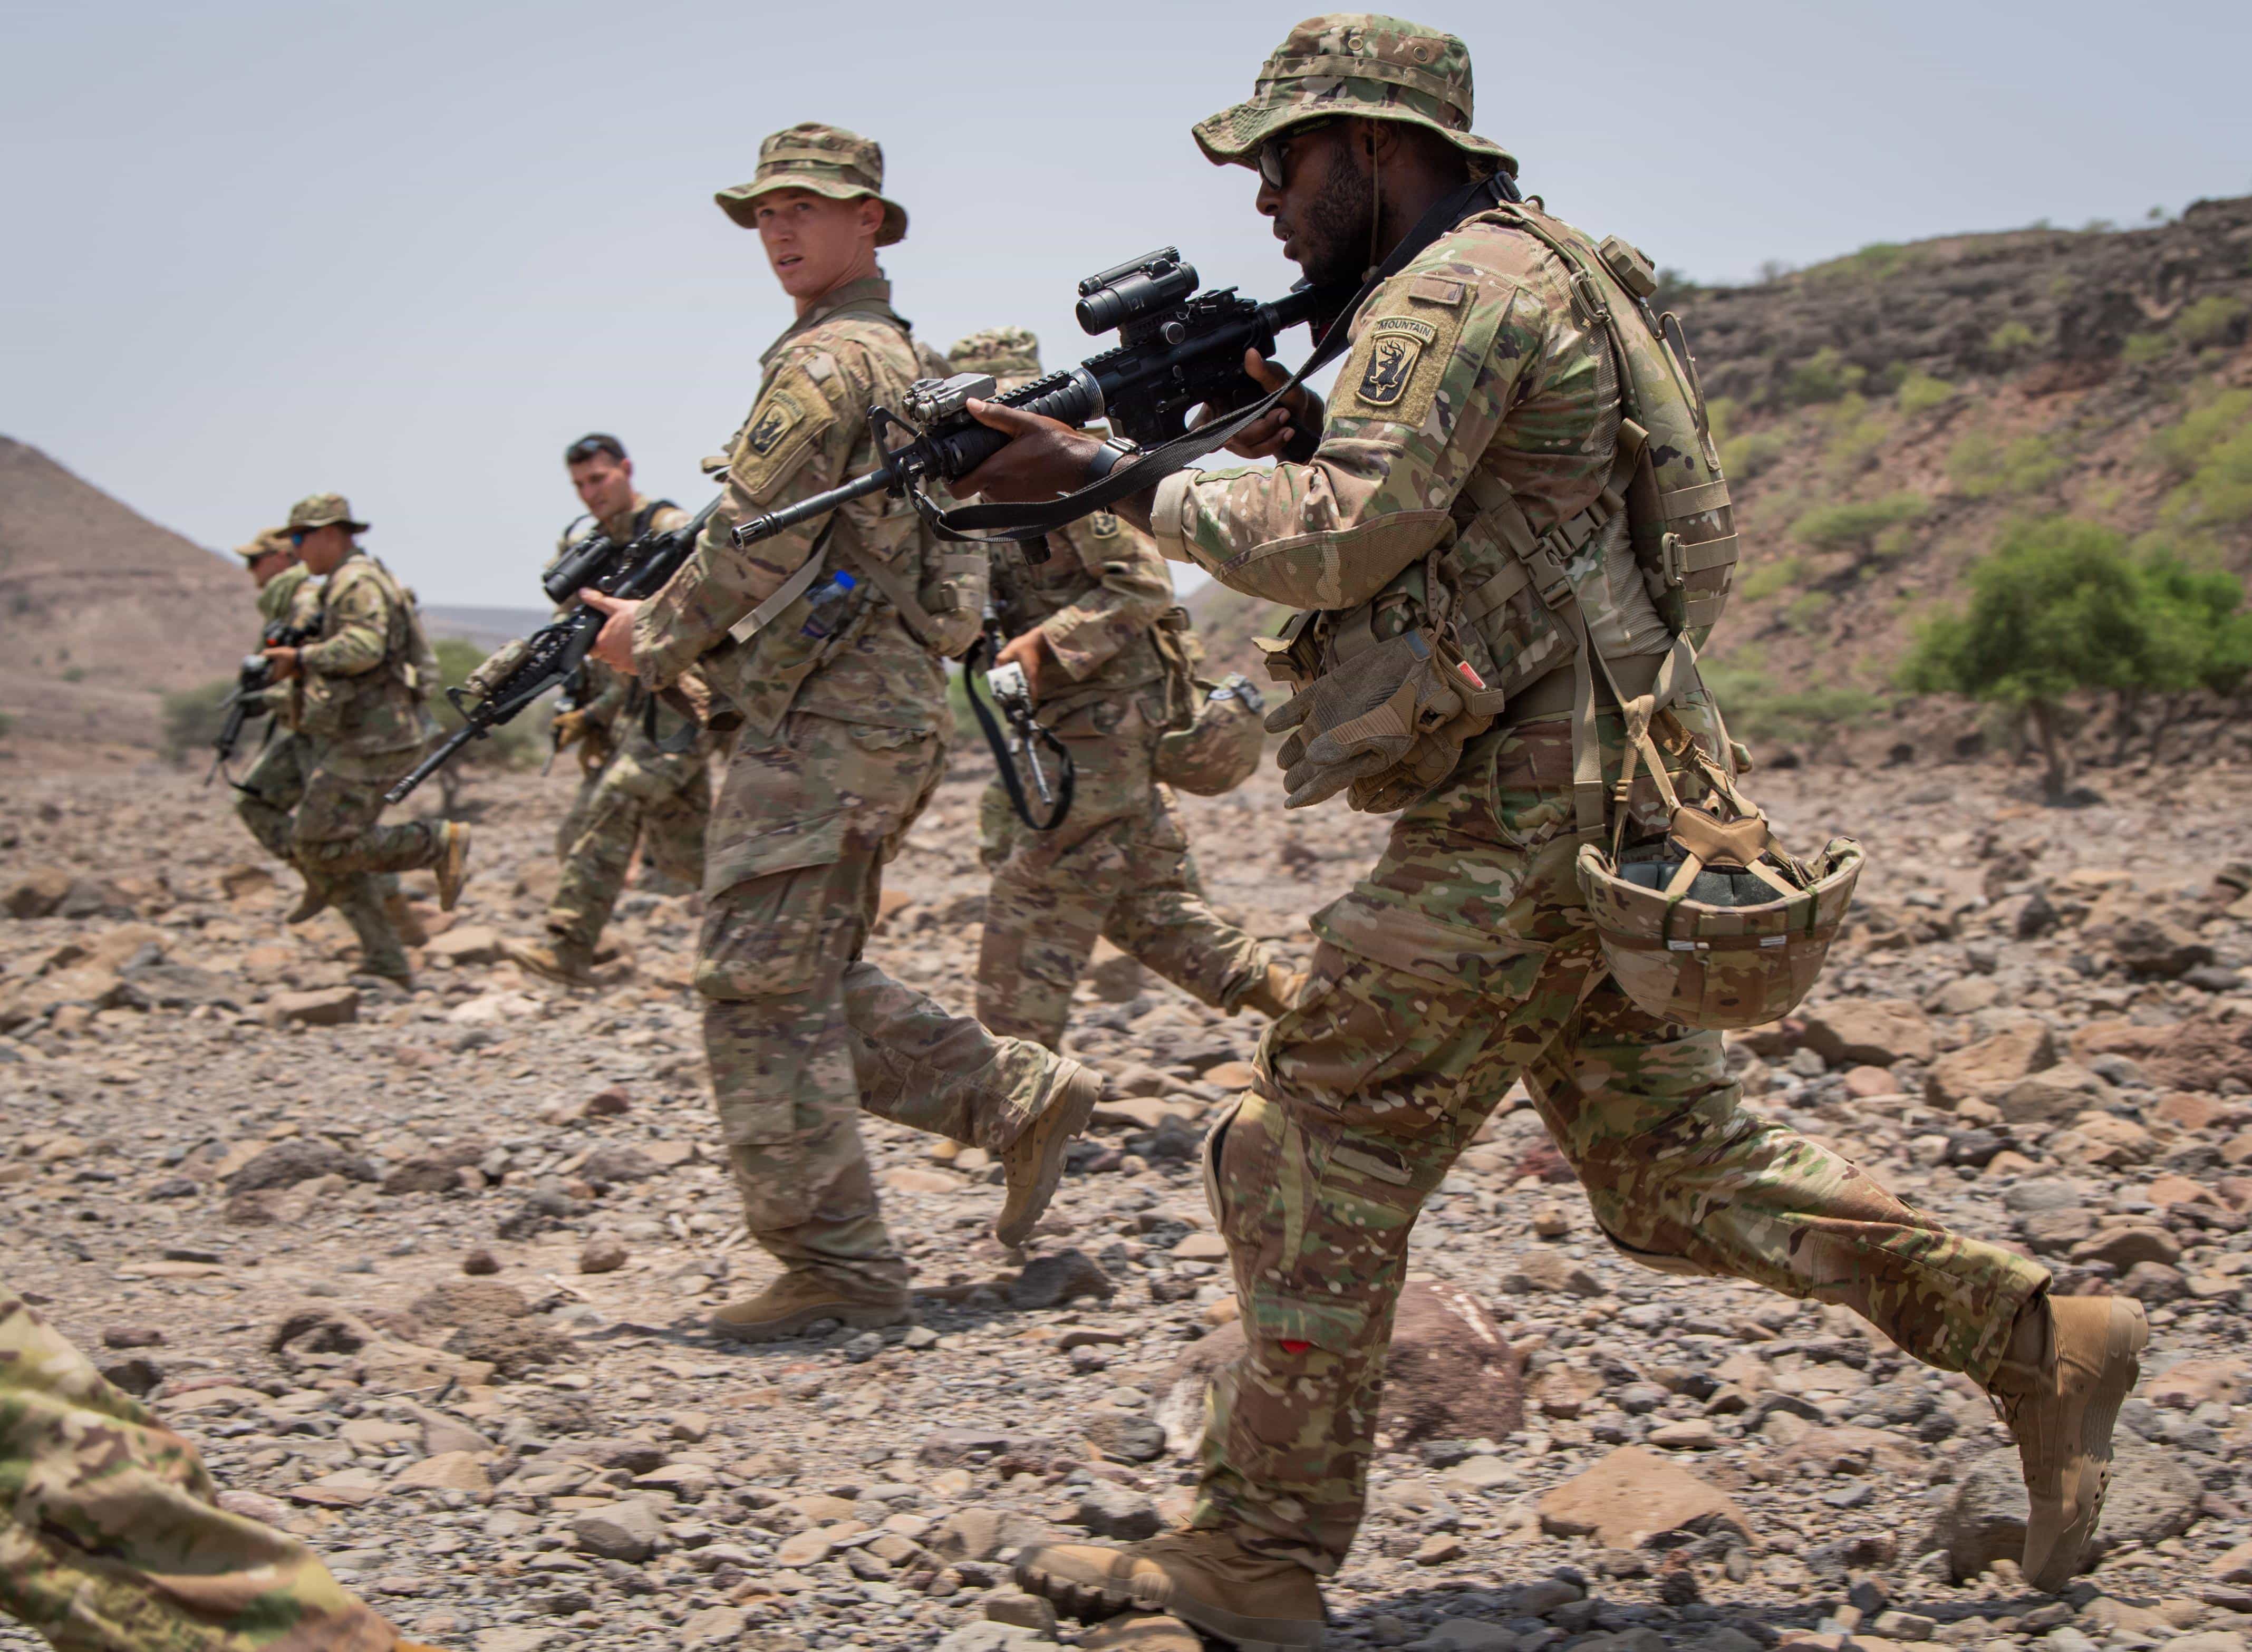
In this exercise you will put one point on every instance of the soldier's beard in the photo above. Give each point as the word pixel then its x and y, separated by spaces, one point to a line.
pixel 1340 224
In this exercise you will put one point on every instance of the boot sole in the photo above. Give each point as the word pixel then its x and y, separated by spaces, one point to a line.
pixel 1078 1092
pixel 1092 1602
pixel 540 969
pixel 2125 1337
pixel 775 1331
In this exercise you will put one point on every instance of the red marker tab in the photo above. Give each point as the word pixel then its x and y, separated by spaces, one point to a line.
pixel 1292 1346
pixel 1469 675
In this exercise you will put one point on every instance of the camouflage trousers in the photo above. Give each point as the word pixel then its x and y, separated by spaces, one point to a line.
pixel 1119 867
pixel 109 1536
pixel 1463 960
pixel 266 798
pixel 801 1033
pixel 658 799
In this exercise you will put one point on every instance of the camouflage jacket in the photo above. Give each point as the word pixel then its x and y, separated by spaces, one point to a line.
pixel 807 432
pixel 363 684
pixel 613 695
pixel 293 597
pixel 1098 597
pixel 1474 357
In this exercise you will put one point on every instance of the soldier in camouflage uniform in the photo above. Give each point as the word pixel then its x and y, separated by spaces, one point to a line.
pixel 829 644
pixel 1465 959
pixel 275 781
pixel 1094 627
pixel 358 693
pixel 648 768
pixel 111 1538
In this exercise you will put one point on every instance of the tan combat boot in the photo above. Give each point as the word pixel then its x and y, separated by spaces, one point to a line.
pixel 560 959
pixel 400 911
pixel 1202 1578
pixel 2070 1364
pixel 797 1299
pixel 1144 1632
pixel 453 867
pixel 1034 1163
pixel 312 903
pixel 1275 993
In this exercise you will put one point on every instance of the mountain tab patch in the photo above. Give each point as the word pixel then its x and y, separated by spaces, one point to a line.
pixel 1398 358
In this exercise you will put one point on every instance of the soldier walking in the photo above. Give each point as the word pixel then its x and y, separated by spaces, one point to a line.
pixel 1479 415
pixel 358 693
pixel 289 598
pixel 828 644
pixel 1107 652
pixel 648 777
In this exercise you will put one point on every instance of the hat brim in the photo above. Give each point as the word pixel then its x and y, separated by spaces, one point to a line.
pixel 737 202
pixel 345 523
pixel 1233 136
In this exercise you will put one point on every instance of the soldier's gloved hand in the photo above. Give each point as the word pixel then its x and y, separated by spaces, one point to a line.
pixel 569 727
pixel 1359 719
pixel 497 665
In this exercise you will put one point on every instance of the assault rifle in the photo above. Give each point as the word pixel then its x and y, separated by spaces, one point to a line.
pixel 1177 350
pixel 252 679
pixel 547 659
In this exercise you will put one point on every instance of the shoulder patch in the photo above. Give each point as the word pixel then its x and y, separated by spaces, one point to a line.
pixel 1103 524
pixel 791 415
pixel 1404 351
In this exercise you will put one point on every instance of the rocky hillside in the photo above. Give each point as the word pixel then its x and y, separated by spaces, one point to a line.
pixel 1887 413
pixel 102 612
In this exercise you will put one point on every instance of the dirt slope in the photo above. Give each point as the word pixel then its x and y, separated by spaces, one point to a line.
pixel 102 611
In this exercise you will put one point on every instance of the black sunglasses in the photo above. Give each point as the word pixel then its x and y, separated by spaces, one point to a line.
pixel 1274 154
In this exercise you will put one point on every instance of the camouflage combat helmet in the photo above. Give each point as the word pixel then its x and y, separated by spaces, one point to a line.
pixel 1218 751
pixel 827 160
pixel 1717 926
pixel 1356 63
pixel 266 542
pixel 323 509
pixel 1011 354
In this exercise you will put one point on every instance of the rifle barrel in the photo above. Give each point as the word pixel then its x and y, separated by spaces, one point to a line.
pixel 436 760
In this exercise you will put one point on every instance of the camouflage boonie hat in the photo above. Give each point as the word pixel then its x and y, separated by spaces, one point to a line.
pixel 267 542
pixel 827 160
pixel 1356 63
pixel 1011 354
pixel 321 509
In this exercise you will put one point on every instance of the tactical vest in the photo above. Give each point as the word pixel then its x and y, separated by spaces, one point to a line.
pixel 1514 622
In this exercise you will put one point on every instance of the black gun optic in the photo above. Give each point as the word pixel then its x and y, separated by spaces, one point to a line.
pixel 1132 290
pixel 581 565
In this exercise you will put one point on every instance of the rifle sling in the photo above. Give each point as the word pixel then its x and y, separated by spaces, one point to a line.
pixel 1134 476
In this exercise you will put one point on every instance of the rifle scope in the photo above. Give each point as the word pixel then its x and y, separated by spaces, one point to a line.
pixel 1134 289
pixel 581 566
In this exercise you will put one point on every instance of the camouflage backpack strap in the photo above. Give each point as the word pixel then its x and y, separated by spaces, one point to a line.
pixel 1180 678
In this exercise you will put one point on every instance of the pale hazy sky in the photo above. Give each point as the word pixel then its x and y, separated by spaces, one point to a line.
pixel 409 251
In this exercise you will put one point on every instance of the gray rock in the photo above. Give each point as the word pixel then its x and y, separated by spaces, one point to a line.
pixel 166 986
pixel 1131 1439
pixel 1008 1604
pixel 1049 1282
pixel 985 1635
pixel 944 1447
pixel 1112 1511
pixel 984 1534
pixel 622 1531
pixel 2153 1495
pixel 299 1159
pixel 616 1162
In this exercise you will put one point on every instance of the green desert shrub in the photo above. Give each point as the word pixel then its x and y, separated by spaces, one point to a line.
pixel 1982 467
pixel 1824 376
pixel 2212 320
pixel 1920 391
pixel 1854 524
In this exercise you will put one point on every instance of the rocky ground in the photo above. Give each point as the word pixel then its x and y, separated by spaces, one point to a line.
pixel 423 1274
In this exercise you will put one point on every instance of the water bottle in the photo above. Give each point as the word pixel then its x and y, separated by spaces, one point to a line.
pixel 831 602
